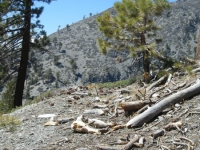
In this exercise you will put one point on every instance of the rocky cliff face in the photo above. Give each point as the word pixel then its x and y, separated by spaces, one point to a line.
pixel 197 56
pixel 78 61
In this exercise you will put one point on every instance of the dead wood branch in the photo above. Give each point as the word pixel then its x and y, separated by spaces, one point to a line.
pixel 183 113
pixel 194 112
pixel 80 93
pixel 172 125
pixel 106 148
pixel 132 106
pixel 115 111
pixel 130 144
pixel 165 147
pixel 183 144
pixel 166 102
pixel 191 61
pixel 140 143
pixel 125 91
pixel 186 139
pixel 82 127
pixel 100 106
pixel 99 123
pixel 142 109
pixel 118 127
pixel 62 120
pixel 168 79
pixel 158 133
pixel 122 99
pixel 160 88
pixel 156 83
pixel 196 70
pixel 94 111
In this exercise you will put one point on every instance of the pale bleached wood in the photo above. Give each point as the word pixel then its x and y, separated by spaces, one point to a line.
pixel 196 70
pixel 156 83
pixel 153 111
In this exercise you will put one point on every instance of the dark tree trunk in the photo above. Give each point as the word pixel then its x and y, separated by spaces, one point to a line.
pixel 146 61
pixel 197 57
pixel 24 55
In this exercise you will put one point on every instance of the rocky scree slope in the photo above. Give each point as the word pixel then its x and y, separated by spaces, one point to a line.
pixel 70 103
pixel 78 61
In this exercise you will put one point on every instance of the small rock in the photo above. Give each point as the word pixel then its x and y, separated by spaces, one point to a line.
pixel 120 96
pixel 51 104
pixel 177 105
pixel 82 149
pixel 160 118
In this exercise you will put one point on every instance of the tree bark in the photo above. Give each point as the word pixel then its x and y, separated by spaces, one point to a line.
pixel 156 83
pixel 24 55
pixel 197 56
pixel 146 61
pixel 166 102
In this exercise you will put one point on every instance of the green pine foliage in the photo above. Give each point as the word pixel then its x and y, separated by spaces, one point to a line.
pixel 7 100
pixel 18 25
pixel 131 27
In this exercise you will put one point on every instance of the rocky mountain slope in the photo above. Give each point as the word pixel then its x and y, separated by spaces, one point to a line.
pixel 73 56
pixel 50 123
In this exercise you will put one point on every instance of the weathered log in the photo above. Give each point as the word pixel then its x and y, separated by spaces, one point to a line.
pixel 196 70
pixel 99 123
pixel 156 83
pixel 94 111
pixel 82 127
pixel 125 91
pixel 62 120
pixel 80 93
pixel 166 102
pixel 107 148
pixel 122 99
pixel 132 106
pixel 191 61
pixel 130 144
pixel 158 133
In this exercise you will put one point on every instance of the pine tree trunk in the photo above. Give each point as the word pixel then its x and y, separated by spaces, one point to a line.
pixel 146 61
pixel 24 55
pixel 146 64
pixel 197 57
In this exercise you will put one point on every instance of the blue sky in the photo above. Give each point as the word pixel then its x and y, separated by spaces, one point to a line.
pixel 63 12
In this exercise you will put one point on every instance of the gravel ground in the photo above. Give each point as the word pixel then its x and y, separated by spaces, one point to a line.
pixel 31 134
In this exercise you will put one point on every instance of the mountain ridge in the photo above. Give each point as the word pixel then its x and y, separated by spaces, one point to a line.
pixel 79 61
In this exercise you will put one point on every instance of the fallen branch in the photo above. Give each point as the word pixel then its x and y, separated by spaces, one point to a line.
pixel 122 99
pixel 130 144
pixel 184 138
pixel 132 106
pixel 153 111
pixel 82 127
pixel 196 70
pixel 158 133
pixel 99 123
pixel 172 125
pixel 106 148
pixel 156 83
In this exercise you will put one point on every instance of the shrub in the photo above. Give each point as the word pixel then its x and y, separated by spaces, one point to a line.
pixel 120 83
pixel 42 96
pixel 8 120
pixel 7 102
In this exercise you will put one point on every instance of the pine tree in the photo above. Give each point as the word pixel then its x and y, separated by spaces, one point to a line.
pixel 60 45
pixel 16 32
pixel 129 29
pixel 7 102
pixel 54 40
